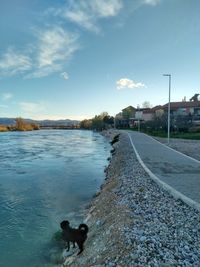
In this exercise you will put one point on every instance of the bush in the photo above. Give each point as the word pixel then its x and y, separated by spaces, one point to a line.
pixel 3 128
pixel 22 125
pixel 195 129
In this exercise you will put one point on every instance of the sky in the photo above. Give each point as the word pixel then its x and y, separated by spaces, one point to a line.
pixel 73 59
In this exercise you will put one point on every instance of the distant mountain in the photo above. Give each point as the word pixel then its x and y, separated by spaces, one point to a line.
pixel 58 122
pixel 50 123
pixel 7 121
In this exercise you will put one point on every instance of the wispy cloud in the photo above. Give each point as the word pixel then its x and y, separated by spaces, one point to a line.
pixel 126 83
pixel 53 48
pixel 31 107
pixel 151 2
pixel 7 96
pixel 64 75
pixel 55 45
pixel 13 62
pixel 87 13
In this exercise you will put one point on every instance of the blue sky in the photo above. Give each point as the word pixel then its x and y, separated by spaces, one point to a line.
pixel 77 58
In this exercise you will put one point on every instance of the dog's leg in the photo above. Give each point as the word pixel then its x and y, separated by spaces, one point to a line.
pixel 80 245
pixel 68 245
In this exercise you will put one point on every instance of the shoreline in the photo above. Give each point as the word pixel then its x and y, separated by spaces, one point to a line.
pixel 133 222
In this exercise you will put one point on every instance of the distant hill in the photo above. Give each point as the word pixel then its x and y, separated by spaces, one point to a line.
pixel 7 121
pixel 66 122
pixel 50 123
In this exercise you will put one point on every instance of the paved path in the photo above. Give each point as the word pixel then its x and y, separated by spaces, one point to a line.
pixel 179 171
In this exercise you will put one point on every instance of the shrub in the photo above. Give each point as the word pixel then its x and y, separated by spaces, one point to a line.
pixel 3 128
pixel 195 129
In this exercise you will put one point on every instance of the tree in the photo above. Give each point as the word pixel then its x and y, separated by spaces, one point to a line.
pixel 182 123
pixel 157 124
pixel 146 104
pixel 99 122
pixel 104 114
pixel 86 124
pixel 22 125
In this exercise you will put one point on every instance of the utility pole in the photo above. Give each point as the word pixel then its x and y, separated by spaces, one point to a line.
pixel 168 120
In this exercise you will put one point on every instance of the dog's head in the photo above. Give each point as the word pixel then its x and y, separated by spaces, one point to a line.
pixel 64 224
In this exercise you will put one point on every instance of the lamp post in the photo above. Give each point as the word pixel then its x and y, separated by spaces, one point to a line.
pixel 168 124
pixel 138 108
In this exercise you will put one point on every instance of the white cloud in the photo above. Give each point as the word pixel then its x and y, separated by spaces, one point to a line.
pixel 81 18
pixel 43 72
pixel 151 2
pixel 53 48
pixel 106 8
pixel 13 62
pixel 126 83
pixel 55 45
pixel 7 96
pixel 87 13
pixel 31 107
pixel 64 75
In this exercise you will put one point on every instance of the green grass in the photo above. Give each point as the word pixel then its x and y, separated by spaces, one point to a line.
pixel 181 135
pixel 190 136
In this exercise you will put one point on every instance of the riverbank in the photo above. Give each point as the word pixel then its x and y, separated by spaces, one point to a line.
pixel 133 222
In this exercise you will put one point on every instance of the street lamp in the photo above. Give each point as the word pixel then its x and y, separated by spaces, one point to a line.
pixel 138 117
pixel 168 124
pixel 114 122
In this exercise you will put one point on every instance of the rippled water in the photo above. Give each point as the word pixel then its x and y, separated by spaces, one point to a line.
pixel 45 177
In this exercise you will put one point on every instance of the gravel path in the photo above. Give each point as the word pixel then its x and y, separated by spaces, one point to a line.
pixel 135 223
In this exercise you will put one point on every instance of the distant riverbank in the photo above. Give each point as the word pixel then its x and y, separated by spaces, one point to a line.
pixel 20 125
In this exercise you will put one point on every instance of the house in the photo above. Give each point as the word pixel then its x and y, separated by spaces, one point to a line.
pixel 122 119
pixel 128 112
pixel 184 108
pixel 130 116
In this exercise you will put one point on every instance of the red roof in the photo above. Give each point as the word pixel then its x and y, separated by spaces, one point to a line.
pixel 186 104
pixel 157 108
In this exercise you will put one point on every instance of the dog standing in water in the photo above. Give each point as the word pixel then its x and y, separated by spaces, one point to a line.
pixel 74 235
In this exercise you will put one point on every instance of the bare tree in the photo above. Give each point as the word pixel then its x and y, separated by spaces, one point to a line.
pixel 146 104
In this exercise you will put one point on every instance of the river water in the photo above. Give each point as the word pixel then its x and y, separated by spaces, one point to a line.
pixel 45 176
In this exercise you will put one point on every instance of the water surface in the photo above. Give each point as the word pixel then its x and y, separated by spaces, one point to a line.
pixel 45 177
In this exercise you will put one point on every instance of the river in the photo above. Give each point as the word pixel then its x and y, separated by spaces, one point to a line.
pixel 45 176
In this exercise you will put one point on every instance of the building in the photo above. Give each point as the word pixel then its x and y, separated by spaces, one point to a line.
pixel 130 116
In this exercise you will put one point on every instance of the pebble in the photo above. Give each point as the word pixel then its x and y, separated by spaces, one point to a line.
pixel 164 232
pixel 164 229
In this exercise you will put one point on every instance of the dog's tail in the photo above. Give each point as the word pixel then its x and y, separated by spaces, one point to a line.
pixel 84 228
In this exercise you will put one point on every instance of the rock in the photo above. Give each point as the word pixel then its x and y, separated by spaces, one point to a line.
pixel 134 222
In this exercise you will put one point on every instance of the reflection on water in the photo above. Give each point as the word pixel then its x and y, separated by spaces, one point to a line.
pixel 45 176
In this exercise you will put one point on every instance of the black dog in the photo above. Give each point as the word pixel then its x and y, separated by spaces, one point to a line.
pixel 74 235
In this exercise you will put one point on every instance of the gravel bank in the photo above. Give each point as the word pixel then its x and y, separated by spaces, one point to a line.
pixel 135 223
